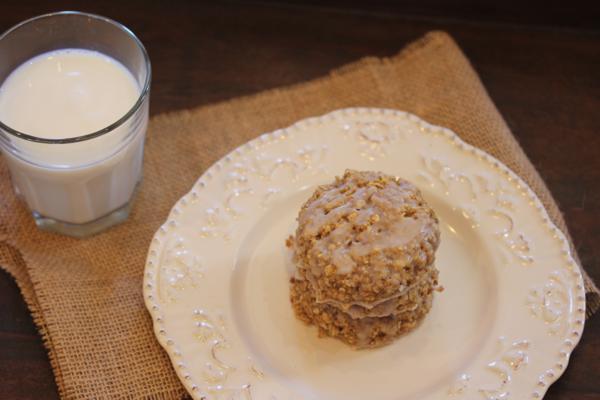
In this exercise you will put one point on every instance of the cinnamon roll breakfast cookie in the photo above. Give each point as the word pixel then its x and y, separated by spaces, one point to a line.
pixel 364 252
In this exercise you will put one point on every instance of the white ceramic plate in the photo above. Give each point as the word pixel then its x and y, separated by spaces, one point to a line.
pixel 216 279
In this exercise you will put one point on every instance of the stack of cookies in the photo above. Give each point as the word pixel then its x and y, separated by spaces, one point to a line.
pixel 364 253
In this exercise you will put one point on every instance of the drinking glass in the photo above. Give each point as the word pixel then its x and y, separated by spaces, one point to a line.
pixel 81 185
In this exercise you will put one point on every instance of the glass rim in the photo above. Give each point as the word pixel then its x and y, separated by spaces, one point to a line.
pixel 136 106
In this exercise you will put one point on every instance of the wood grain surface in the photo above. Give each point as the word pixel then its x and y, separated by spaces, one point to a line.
pixel 540 62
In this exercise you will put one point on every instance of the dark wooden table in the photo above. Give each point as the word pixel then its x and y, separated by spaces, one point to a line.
pixel 540 62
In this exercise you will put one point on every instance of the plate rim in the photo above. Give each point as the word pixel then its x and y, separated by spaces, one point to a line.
pixel 149 289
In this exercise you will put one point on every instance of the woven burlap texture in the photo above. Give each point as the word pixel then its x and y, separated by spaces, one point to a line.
pixel 86 295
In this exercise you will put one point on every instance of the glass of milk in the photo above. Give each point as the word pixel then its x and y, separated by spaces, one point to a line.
pixel 74 93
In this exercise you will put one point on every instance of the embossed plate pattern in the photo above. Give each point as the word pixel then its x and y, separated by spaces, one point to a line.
pixel 216 278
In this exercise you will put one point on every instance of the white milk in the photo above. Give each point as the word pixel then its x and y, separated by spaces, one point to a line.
pixel 63 94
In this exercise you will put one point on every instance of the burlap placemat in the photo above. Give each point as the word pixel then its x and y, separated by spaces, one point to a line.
pixel 86 295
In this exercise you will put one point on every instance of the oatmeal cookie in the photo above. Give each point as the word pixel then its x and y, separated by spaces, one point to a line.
pixel 365 237
pixel 364 253
pixel 361 333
